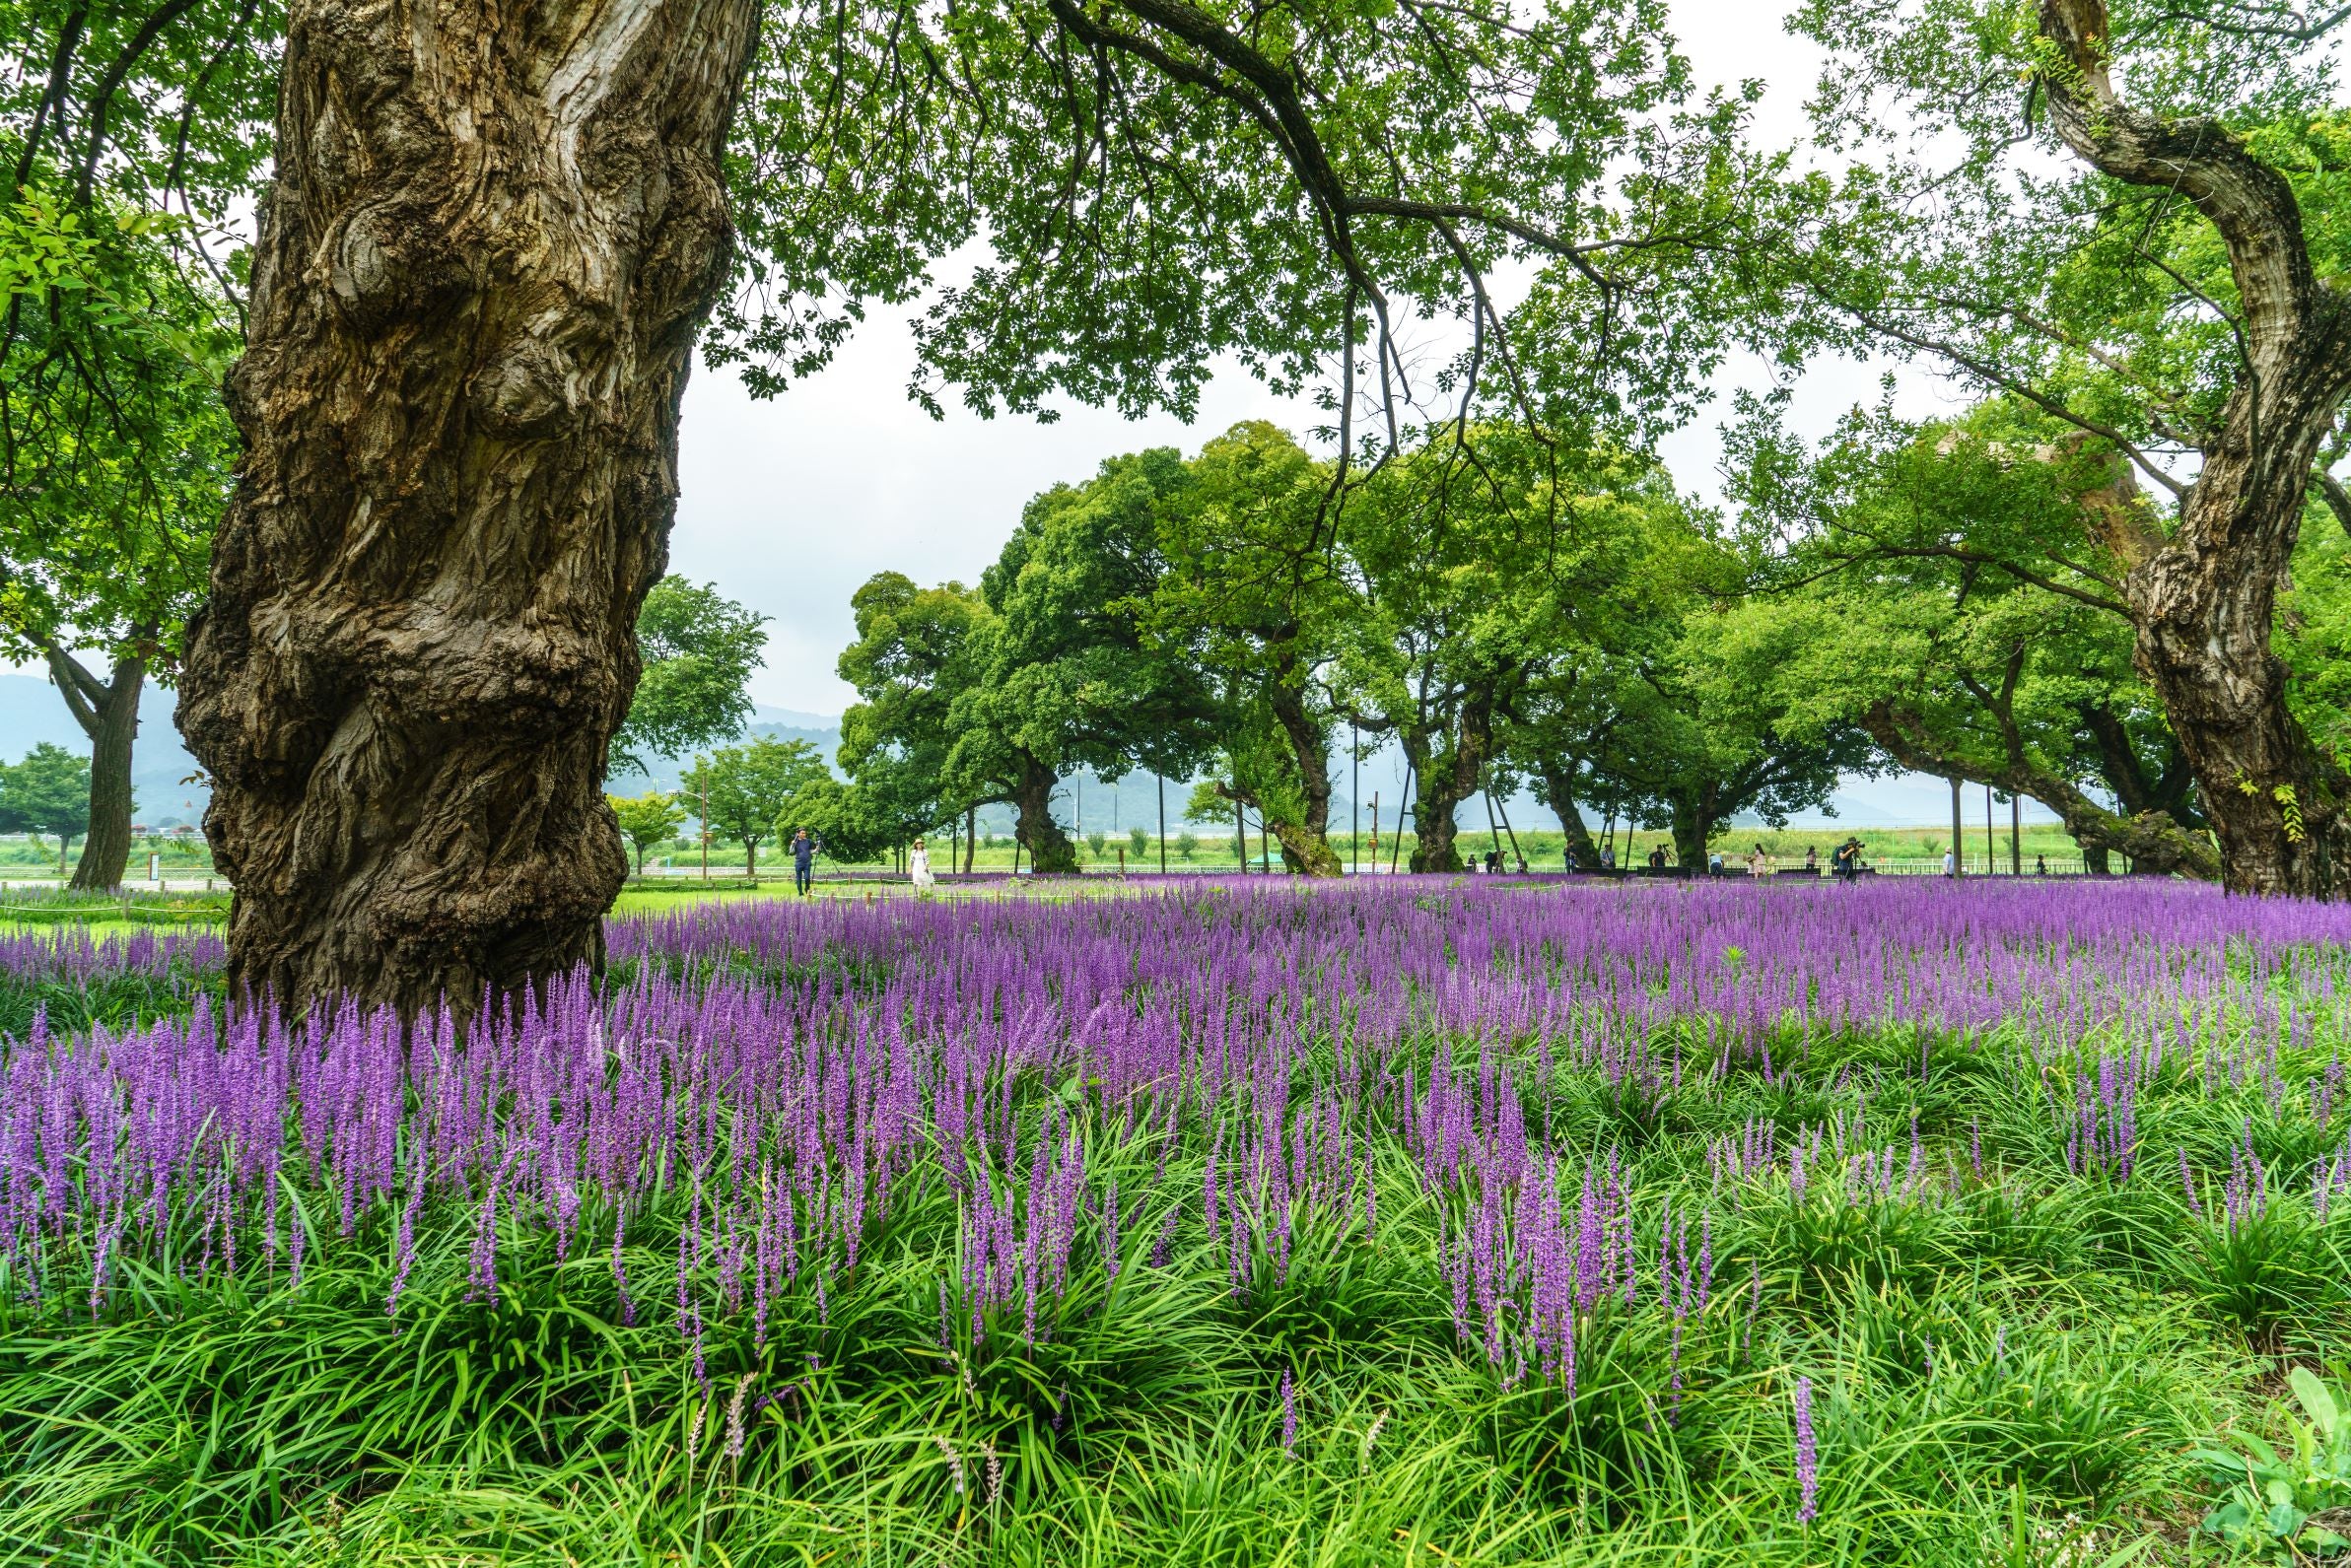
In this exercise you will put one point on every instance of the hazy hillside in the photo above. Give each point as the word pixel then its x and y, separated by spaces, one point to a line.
pixel 31 711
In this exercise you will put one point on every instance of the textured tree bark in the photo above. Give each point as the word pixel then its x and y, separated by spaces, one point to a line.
pixel 108 713
pixel 1559 787
pixel 1444 783
pixel 493 234
pixel 2203 598
pixel 1306 843
pixel 1695 812
pixel 1050 852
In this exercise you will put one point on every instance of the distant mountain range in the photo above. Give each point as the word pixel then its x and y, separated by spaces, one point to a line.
pixel 31 711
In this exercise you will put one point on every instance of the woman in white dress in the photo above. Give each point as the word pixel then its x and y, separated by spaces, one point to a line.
pixel 918 866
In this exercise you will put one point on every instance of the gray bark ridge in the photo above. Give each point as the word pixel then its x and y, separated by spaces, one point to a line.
pixel 490 240
pixel 2203 598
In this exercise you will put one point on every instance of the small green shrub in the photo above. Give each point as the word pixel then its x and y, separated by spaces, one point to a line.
pixel 2295 1506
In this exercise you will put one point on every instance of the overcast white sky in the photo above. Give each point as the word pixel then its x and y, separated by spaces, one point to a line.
pixel 791 505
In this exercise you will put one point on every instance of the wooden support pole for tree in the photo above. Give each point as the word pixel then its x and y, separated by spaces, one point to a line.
pixel 1396 856
pixel 1495 803
pixel 1959 833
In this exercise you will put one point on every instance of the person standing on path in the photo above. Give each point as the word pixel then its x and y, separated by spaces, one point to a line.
pixel 1950 865
pixel 803 862
pixel 918 867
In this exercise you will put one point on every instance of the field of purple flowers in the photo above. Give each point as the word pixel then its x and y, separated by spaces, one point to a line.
pixel 1423 1221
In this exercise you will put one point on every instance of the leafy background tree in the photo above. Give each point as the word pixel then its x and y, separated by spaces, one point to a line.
pixel 648 820
pixel 46 792
pixel 1064 674
pixel 114 459
pixel 1251 593
pixel 1466 571
pixel 128 138
pixel 700 651
pixel 746 791
pixel 913 658
pixel 1949 586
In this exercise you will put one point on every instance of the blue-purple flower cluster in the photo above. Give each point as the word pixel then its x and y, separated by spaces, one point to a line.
pixel 1256 1055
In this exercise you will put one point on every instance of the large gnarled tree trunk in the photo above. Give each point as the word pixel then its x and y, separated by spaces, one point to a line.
pixel 1305 833
pixel 1050 852
pixel 1559 787
pixel 2202 598
pixel 109 713
pixel 492 235
pixel 1442 783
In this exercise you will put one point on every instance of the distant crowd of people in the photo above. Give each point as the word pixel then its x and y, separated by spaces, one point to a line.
pixel 1844 860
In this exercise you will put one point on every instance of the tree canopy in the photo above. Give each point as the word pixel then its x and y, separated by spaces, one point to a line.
pixel 743 791
pixel 699 649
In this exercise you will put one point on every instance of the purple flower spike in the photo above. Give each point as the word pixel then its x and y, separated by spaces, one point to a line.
pixel 1808 1456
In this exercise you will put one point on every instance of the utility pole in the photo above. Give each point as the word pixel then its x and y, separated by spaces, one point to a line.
pixel 1354 803
pixel 1162 824
pixel 1988 851
pixel 2016 833
pixel 1959 833
pixel 703 772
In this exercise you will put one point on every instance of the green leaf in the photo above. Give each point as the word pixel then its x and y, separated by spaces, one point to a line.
pixel 2316 1400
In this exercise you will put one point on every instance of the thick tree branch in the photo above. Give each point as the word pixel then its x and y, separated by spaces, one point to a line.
pixel 85 694
pixel 2248 201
